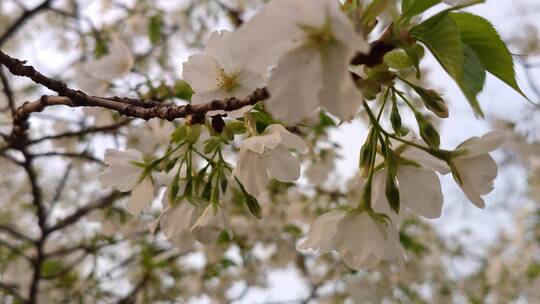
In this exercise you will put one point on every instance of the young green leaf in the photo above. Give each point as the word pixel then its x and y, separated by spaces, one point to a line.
pixel 441 35
pixel 410 8
pixel 480 35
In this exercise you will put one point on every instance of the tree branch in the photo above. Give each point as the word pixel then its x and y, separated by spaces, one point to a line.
pixel 27 15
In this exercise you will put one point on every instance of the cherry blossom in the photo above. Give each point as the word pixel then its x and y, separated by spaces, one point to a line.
pixel 124 174
pixel 94 76
pixel 474 169
pixel 220 72
pixel 267 155
pixel 212 221
pixel 312 42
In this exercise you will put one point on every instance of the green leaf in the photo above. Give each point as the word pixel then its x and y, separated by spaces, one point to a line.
pixel 410 8
pixel 441 35
pixel 474 76
pixel 183 90
pixel 154 28
pixel 480 35
pixel 51 267
pixel 251 201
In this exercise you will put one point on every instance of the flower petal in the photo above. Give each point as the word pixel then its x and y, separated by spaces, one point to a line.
pixel 283 166
pixel 252 172
pixel 201 72
pixel 420 190
pixel 141 197
pixel 322 232
pixel 288 139
pixel 258 143
pixel 291 99
pixel 339 95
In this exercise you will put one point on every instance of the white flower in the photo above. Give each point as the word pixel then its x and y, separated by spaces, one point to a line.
pixel 473 168
pixel 124 175
pixel 155 132
pixel 210 224
pixel 176 221
pixel 321 235
pixel 312 43
pixel 220 72
pixel 418 184
pixel 115 64
pixel 362 239
pixel 267 155
pixel 93 77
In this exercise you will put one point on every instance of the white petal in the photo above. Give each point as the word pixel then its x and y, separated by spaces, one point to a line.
pixel 363 242
pixel 258 143
pixel 343 29
pixel 291 99
pixel 487 143
pixel 420 191
pixel 208 96
pixel 141 197
pixel 322 232
pixel 115 64
pixel 253 37
pixel 425 159
pixel 476 199
pixel 283 166
pixel 201 72
pixel 88 83
pixel 219 47
pixel 177 220
pixel 478 172
pixel 252 171
pixel 207 228
pixel 288 139
pixel 121 173
pixel 339 95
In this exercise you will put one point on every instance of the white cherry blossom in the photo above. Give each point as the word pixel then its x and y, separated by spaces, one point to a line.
pixel 210 224
pixel 94 76
pixel 123 174
pixel 362 239
pixel 312 43
pixel 267 155
pixel 176 221
pixel 474 169
pixel 220 72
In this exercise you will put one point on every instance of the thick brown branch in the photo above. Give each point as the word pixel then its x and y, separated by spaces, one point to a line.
pixel 145 109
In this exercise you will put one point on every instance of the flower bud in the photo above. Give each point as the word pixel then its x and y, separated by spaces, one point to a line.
pixel 365 158
pixel 392 193
pixel 218 123
pixel 398 59
pixel 427 131
pixel 433 102
pixel 395 119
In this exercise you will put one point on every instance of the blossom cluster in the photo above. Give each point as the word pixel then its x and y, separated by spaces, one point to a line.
pixel 302 52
